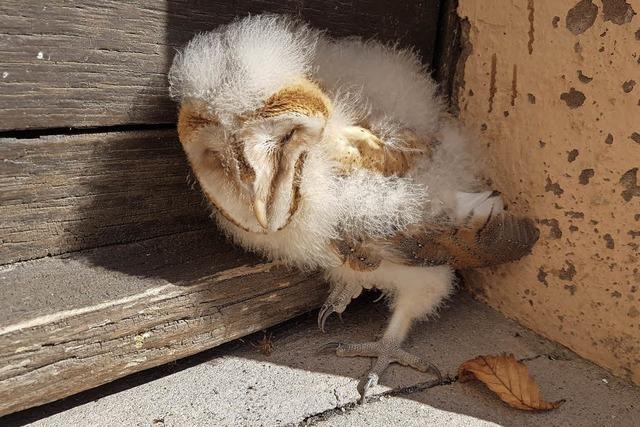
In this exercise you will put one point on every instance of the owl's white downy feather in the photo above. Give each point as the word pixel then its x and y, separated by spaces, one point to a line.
pixel 236 67
pixel 392 81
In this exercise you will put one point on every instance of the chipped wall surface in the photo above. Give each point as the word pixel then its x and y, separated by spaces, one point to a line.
pixel 553 90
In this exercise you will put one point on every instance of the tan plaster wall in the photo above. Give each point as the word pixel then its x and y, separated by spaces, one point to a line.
pixel 551 91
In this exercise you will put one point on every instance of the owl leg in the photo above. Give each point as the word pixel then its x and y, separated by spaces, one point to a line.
pixel 385 351
pixel 413 299
pixel 339 298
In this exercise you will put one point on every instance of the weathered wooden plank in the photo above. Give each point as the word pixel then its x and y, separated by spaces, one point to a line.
pixel 63 193
pixel 104 62
pixel 94 316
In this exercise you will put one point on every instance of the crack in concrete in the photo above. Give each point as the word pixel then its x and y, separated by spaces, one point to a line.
pixel 312 419
pixel 335 394
pixel 550 356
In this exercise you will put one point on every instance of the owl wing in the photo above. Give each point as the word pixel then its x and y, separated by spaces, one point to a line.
pixel 499 239
pixel 502 238
pixel 486 236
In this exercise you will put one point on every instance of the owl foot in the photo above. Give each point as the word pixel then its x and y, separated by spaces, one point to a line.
pixel 385 352
pixel 338 300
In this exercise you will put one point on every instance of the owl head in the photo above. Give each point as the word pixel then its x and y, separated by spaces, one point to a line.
pixel 249 116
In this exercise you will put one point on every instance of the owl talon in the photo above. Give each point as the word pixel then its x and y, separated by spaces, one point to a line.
pixel 332 346
pixel 382 295
pixel 323 315
pixel 371 380
pixel 385 353
pixel 338 300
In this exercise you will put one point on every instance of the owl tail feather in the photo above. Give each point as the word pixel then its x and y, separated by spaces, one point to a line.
pixel 500 239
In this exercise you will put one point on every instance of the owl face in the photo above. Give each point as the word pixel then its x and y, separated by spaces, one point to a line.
pixel 251 169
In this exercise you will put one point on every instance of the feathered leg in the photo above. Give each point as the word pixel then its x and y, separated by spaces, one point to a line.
pixel 417 293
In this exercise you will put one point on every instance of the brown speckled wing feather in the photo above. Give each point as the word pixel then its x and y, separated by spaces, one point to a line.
pixel 500 239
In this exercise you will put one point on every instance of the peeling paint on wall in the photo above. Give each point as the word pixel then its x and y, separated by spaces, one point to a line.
pixel 569 156
pixel 586 175
pixel 628 86
pixel 531 8
pixel 617 11
pixel 581 16
pixel 583 78
pixel 574 98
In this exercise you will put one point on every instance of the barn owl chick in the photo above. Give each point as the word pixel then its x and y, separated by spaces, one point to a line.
pixel 336 155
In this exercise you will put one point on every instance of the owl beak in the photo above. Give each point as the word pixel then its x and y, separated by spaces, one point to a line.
pixel 260 211
pixel 276 196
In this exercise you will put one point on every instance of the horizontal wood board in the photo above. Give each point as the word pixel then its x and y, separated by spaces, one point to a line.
pixel 104 62
pixel 66 193
pixel 121 309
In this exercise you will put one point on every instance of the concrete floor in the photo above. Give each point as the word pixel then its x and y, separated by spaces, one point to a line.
pixel 236 384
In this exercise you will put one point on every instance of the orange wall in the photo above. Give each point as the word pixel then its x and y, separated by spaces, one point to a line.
pixel 553 90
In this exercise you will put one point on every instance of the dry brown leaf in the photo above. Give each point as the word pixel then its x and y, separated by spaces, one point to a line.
pixel 509 379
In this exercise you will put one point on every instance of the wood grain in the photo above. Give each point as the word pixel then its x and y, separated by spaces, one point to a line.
pixel 64 193
pixel 187 298
pixel 97 63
